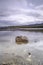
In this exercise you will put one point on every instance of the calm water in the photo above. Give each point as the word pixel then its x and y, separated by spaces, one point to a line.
pixel 9 47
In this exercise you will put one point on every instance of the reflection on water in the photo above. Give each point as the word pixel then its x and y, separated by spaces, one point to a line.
pixel 10 50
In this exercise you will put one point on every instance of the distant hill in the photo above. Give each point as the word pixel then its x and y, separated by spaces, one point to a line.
pixel 33 26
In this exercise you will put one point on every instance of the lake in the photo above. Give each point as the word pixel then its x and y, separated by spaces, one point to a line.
pixel 9 49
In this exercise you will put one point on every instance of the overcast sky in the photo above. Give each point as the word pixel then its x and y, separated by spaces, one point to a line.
pixel 21 11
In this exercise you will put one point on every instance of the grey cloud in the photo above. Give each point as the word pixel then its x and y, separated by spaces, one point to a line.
pixel 4 15
pixel 12 7
pixel 39 7
pixel 33 14
pixel 19 3
pixel 35 2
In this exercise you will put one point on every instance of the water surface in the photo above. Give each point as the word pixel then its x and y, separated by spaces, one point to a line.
pixel 34 46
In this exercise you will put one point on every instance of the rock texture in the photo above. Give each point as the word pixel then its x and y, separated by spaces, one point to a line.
pixel 21 40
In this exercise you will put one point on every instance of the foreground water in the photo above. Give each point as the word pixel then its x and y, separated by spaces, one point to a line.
pixel 10 50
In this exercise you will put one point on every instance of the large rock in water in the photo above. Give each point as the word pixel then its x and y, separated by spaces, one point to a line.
pixel 21 40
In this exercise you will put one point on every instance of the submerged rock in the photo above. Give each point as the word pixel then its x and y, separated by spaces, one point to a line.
pixel 21 40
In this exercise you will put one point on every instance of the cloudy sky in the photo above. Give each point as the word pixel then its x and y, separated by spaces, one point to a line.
pixel 21 11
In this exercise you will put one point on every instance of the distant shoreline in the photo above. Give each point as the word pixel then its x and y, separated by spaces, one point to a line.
pixel 13 28
pixel 32 29
pixel 36 28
